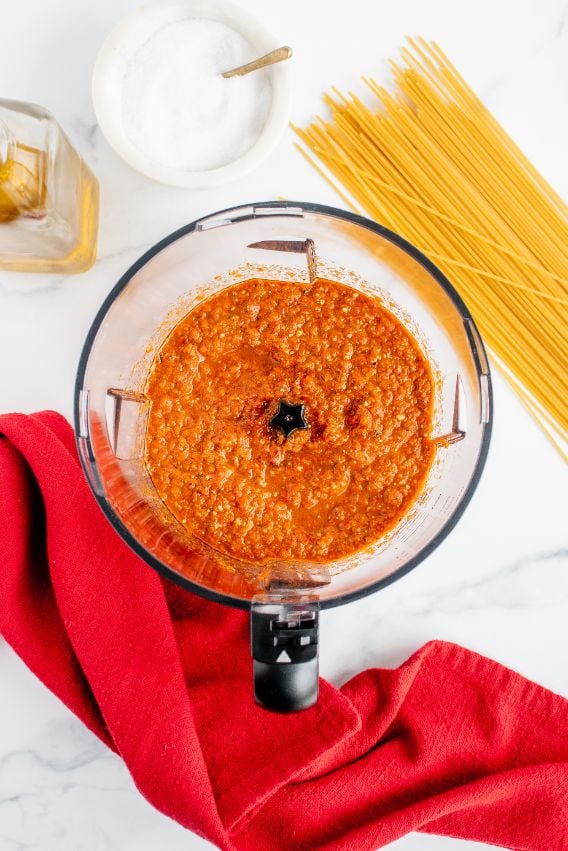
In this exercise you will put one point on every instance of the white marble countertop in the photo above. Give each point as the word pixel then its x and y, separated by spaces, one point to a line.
pixel 498 584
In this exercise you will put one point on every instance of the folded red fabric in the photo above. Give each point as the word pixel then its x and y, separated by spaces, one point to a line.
pixel 449 743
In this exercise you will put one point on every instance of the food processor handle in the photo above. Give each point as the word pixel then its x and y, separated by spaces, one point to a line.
pixel 284 644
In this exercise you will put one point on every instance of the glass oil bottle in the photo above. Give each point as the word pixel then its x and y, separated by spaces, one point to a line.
pixel 49 198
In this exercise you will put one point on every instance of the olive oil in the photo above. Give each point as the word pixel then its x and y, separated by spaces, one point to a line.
pixel 22 183
pixel 49 198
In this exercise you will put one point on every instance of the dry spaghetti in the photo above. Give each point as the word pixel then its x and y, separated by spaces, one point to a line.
pixel 433 164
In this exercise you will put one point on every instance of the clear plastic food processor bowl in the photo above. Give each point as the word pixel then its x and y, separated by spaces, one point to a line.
pixel 277 241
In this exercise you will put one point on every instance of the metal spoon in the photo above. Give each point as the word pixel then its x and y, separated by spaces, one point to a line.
pixel 278 55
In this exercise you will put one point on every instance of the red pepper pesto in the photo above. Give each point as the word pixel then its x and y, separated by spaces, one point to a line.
pixel 324 493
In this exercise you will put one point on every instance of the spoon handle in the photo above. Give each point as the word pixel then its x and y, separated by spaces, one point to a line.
pixel 278 55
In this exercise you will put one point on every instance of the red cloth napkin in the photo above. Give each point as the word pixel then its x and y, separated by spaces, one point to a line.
pixel 449 743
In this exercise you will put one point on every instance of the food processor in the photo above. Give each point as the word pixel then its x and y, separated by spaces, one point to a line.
pixel 277 241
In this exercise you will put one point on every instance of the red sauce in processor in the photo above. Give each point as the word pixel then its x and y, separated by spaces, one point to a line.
pixel 325 492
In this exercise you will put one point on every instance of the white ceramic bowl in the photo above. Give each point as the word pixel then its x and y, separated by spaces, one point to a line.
pixel 129 34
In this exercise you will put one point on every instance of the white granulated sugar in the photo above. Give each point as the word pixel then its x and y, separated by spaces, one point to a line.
pixel 179 110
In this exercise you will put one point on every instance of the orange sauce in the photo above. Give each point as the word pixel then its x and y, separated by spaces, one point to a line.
pixel 325 492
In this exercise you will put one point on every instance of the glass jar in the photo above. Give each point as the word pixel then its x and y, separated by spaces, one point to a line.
pixel 49 198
